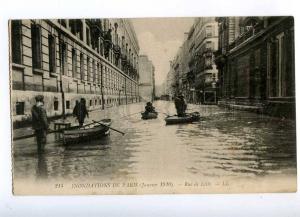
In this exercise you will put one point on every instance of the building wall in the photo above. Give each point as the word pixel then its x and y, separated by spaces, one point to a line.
pixel 146 92
pixel 193 66
pixel 206 43
pixel 146 80
pixel 257 67
pixel 73 65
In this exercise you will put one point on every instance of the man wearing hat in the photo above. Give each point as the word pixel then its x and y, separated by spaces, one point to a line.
pixel 180 105
pixel 39 121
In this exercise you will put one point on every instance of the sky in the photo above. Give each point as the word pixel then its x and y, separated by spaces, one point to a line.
pixel 160 39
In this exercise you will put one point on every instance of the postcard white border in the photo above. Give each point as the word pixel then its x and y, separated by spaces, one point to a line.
pixel 149 205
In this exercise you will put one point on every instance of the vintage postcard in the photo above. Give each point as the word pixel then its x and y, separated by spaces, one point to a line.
pixel 153 105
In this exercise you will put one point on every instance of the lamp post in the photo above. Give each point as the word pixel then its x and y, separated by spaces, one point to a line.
pixel 120 94
pixel 214 87
pixel 201 97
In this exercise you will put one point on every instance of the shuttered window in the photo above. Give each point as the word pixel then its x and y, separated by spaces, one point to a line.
pixel 36 46
pixel 52 53
pixel 16 41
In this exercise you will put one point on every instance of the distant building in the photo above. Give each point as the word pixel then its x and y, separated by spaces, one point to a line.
pixel 65 60
pixel 193 69
pixel 256 63
pixel 203 74
pixel 146 79
pixel 171 83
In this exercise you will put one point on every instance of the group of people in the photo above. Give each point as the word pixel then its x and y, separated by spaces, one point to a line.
pixel 40 123
pixel 179 102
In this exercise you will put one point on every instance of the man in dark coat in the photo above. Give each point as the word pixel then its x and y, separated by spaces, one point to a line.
pixel 180 105
pixel 149 108
pixel 80 111
pixel 39 121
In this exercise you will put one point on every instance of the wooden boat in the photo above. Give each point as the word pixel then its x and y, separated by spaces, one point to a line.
pixel 190 117
pixel 150 115
pixel 84 134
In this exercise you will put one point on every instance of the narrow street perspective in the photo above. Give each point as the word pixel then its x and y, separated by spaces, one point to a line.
pixel 144 106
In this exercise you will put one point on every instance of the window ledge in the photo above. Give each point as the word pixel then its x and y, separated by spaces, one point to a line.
pixel 16 65
pixel 53 75
pixel 38 71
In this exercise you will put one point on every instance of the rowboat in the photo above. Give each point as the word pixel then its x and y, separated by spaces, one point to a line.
pixel 84 134
pixel 150 115
pixel 190 117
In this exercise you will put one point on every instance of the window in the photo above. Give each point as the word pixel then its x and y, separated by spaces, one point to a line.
pixel 52 52
pixel 56 105
pixel 20 108
pixel 94 72
pixel 98 72
pixel 278 78
pixel 208 45
pixel 91 102
pixel 16 41
pixel 88 69
pixel 63 57
pixel 96 102
pixel 88 37
pixel 62 22
pixel 67 104
pixel 81 67
pixel 209 31
pixel 76 28
pixel 74 63
pixel 36 46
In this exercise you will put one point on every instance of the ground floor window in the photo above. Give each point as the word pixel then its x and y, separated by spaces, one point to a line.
pixel 55 105
pixel 67 104
pixel 20 108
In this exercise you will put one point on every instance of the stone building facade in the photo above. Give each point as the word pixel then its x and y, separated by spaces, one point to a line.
pixel 170 83
pixel 256 64
pixel 65 60
pixel 147 79
pixel 194 67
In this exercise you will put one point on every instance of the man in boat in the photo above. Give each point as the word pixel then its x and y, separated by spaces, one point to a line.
pixel 149 108
pixel 180 105
pixel 39 122
pixel 80 111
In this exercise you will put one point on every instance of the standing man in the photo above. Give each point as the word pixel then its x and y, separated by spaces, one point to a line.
pixel 80 111
pixel 180 105
pixel 39 122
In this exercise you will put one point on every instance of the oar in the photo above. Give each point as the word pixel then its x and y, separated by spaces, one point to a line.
pixel 99 122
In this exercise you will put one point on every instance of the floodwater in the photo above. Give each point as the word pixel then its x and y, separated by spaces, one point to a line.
pixel 224 143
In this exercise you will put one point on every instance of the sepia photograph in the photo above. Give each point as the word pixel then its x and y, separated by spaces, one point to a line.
pixel 178 105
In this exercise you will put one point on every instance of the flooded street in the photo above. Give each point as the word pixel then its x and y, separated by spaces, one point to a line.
pixel 223 144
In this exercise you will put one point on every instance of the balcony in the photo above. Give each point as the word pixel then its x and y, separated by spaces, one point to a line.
pixel 251 31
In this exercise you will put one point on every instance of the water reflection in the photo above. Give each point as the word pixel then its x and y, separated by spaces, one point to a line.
pixel 41 171
pixel 223 144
